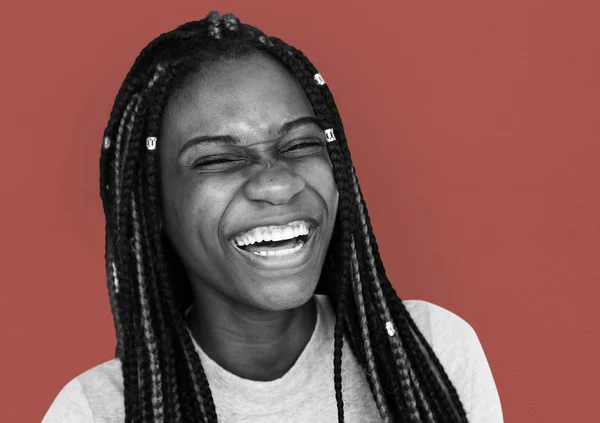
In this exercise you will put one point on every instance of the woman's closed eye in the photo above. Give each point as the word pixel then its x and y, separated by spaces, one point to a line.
pixel 218 162
pixel 306 146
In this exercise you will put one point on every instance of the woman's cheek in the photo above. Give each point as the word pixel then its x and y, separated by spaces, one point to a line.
pixel 211 194
pixel 318 172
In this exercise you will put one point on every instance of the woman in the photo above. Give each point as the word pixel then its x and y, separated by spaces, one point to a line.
pixel 243 273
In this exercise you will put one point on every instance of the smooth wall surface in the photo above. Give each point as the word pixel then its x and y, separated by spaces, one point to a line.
pixel 475 132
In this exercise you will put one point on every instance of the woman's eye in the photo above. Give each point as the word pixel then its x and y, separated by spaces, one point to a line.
pixel 307 146
pixel 217 163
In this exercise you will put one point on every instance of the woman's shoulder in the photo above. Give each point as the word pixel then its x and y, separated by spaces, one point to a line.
pixel 460 352
pixel 451 337
pixel 96 395
pixel 439 325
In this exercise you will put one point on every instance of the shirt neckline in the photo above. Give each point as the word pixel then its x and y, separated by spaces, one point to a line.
pixel 289 380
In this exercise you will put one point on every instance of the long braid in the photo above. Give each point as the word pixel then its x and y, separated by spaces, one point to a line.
pixel 134 373
pixel 199 381
pixel 127 309
pixel 167 357
pixel 129 182
pixel 438 384
pixel 412 415
pixel 437 380
pixel 338 337
pixel 141 236
pixel 372 372
pixel 112 225
pixel 397 348
pixel 127 121
pixel 170 393
pixel 112 283
pixel 150 340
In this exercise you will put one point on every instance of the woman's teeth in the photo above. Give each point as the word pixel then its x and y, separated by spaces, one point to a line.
pixel 274 240
pixel 272 233
pixel 279 252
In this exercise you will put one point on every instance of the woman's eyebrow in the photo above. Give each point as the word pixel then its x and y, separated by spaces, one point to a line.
pixel 230 139
pixel 306 120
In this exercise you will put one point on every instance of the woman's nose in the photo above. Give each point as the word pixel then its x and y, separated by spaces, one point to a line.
pixel 275 185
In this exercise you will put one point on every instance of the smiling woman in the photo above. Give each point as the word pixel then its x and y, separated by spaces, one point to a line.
pixel 243 273
pixel 244 160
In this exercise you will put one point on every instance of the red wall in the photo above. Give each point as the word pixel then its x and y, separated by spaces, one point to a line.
pixel 475 130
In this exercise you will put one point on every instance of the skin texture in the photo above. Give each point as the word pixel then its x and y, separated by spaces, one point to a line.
pixel 251 318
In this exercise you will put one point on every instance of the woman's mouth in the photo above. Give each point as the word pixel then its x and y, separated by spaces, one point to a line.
pixel 276 242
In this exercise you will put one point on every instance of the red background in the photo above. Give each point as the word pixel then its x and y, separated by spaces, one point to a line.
pixel 474 126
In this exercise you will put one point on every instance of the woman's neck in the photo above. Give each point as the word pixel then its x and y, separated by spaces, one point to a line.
pixel 252 344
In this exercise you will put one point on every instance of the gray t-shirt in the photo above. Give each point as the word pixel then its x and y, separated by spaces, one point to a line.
pixel 306 392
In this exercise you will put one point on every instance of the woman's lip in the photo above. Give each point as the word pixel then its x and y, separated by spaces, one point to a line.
pixel 281 262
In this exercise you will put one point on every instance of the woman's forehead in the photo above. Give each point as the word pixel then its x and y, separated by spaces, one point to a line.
pixel 252 93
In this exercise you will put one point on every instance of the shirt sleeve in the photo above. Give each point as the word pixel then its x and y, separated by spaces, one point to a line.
pixel 459 350
pixel 70 406
pixel 483 396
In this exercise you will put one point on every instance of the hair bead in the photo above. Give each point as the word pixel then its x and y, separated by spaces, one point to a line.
pixel 151 143
pixel 329 135
pixel 390 328
pixel 106 143
pixel 319 79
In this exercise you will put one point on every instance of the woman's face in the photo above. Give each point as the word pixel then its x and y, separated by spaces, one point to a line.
pixel 241 158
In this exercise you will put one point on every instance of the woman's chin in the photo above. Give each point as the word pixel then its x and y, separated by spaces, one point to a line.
pixel 285 296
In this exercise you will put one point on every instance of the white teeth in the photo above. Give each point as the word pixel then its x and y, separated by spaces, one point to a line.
pixel 279 252
pixel 273 233
pixel 288 233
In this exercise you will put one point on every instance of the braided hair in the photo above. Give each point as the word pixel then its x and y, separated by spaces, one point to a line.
pixel 163 377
